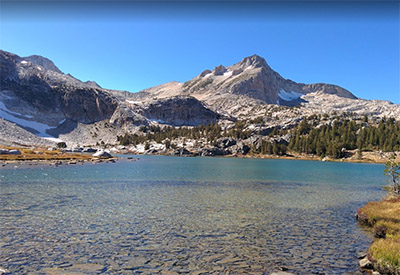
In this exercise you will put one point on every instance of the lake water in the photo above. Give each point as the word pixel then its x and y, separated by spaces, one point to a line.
pixel 185 215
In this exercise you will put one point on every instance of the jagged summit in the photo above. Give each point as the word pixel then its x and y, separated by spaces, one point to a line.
pixel 219 70
pixel 254 61
pixel 44 62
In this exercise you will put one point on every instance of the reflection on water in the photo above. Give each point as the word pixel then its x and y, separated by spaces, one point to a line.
pixel 185 215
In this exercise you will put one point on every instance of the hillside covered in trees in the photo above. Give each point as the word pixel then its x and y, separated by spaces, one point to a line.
pixel 315 135
pixel 330 139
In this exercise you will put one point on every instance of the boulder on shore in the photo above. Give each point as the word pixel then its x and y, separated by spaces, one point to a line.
pixel 225 142
pixel 182 152
pixel 89 150
pixel 214 151
pixel 102 154
pixel 240 148
pixel 365 263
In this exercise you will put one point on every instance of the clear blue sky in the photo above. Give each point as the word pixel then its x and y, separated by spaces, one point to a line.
pixel 132 45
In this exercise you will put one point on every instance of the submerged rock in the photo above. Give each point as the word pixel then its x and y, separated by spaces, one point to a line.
pixel 361 254
pixel 3 270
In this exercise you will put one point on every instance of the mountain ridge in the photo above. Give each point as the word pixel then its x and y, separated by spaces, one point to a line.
pixel 48 103
pixel 251 77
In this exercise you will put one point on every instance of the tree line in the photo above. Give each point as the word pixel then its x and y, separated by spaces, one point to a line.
pixel 314 135
pixel 330 139
pixel 154 132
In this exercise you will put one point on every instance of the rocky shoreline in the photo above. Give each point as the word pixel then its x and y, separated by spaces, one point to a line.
pixel 58 162
pixel 377 157
pixel 54 161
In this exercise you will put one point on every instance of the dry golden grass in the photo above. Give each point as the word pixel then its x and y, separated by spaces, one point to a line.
pixel 388 209
pixel 42 154
pixel 387 252
pixel 385 214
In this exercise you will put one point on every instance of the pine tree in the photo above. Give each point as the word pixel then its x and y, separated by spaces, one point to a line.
pixel 275 149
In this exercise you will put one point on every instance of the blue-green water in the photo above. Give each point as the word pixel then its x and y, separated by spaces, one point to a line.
pixel 185 215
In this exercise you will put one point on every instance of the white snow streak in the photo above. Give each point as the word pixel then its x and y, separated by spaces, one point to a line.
pixel 158 121
pixel 289 96
pixel 4 108
pixel 228 73
pixel 53 139
pixel 133 102
pixel 41 128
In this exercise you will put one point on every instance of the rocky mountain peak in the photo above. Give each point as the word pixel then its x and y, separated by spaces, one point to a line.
pixel 219 70
pixel 255 61
pixel 93 84
pixel 44 62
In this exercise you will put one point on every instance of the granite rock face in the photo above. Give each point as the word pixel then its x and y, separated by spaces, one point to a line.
pixel 44 62
pixel 127 115
pixel 37 83
pixel 179 111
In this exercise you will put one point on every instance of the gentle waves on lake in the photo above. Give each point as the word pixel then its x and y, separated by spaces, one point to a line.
pixel 185 215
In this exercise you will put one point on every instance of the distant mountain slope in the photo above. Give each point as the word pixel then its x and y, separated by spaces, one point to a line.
pixel 250 88
pixel 38 97
pixel 252 78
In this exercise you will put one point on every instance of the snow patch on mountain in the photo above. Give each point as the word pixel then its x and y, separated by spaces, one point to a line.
pixel 3 108
pixel 23 120
pixel 228 73
pixel 158 121
pixel 289 96
pixel 133 102
pixel 53 139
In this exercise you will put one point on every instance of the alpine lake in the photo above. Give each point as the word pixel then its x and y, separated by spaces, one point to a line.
pixel 177 215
